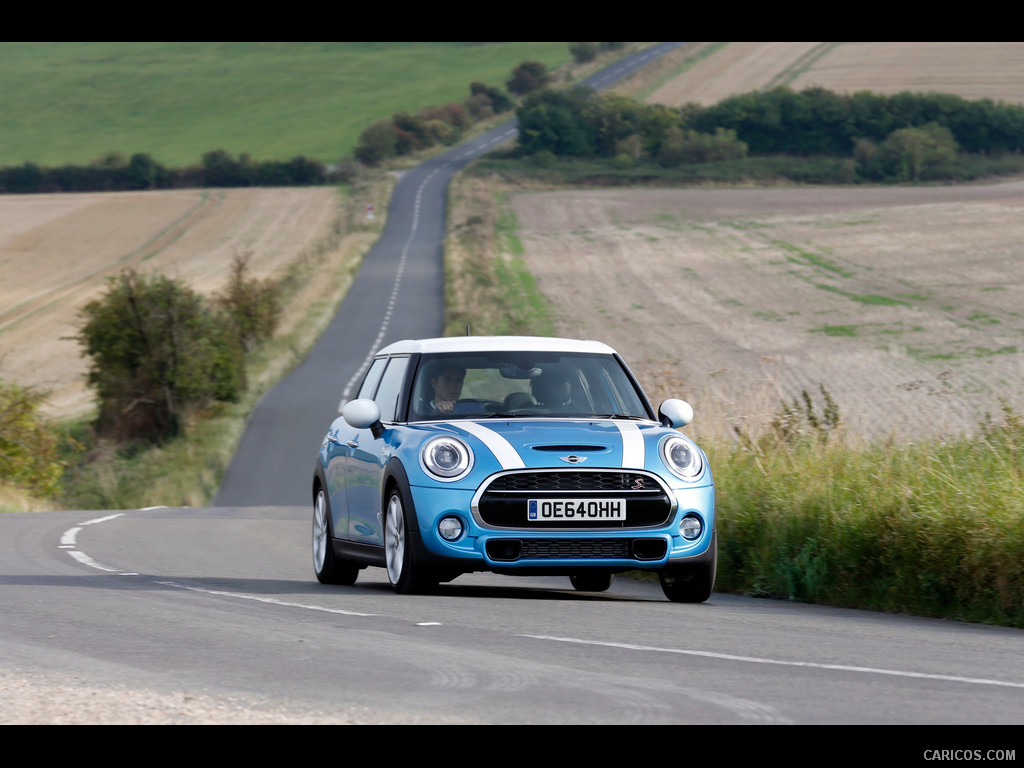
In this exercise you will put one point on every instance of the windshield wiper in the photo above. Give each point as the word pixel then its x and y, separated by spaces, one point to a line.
pixel 617 416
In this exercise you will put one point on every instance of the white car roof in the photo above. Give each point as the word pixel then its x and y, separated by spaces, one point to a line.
pixel 495 344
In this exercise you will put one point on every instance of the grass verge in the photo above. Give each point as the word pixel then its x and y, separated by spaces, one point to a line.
pixel 934 528
pixel 488 288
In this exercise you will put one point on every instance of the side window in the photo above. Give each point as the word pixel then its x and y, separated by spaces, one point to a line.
pixel 390 388
pixel 369 385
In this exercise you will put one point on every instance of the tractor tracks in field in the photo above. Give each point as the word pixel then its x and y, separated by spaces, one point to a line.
pixel 207 204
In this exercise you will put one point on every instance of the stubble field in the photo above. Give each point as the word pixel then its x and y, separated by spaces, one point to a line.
pixel 57 251
pixel 905 304
pixel 971 70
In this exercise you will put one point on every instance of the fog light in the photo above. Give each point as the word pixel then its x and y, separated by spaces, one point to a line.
pixel 690 527
pixel 450 528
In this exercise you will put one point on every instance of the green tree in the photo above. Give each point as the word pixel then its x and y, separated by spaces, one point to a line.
pixel 157 349
pixel 555 121
pixel 685 146
pixel 252 306
pixel 583 52
pixel 528 77
pixel 915 149
pixel 376 143
pixel 143 172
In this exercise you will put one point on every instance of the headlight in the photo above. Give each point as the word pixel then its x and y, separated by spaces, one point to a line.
pixel 446 458
pixel 682 458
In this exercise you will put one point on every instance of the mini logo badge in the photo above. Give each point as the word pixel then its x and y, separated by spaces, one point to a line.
pixel 573 459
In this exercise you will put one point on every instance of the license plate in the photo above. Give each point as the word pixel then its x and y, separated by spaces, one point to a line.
pixel 576 509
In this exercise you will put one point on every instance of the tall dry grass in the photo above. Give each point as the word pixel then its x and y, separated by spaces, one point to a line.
pixel 807 511
pixel 931 528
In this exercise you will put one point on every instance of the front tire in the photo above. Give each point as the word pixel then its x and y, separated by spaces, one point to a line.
pixel 407 576
pixel 690 585
pixel 329 568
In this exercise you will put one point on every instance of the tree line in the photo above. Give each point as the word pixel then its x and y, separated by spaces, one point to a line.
pixel 885 137
pixel 116 173
pixel 404 133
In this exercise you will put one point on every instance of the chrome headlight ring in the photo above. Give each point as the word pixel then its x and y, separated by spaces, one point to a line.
pixel 446 458
pixel 682 458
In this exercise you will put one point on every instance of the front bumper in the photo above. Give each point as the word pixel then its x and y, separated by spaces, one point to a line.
pixel 525 549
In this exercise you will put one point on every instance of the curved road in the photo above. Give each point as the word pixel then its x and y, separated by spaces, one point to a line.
pixel 219 605
pixel 213 615
pixel 397 294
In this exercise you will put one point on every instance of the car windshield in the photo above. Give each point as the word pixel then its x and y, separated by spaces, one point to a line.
pixel 523 384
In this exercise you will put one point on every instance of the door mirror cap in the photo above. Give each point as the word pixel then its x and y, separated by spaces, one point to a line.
pixel 363 414
pixel 675 413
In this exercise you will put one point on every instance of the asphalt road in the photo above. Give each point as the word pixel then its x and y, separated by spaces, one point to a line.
pixel 221 603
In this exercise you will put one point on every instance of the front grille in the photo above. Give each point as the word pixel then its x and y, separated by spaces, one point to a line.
pixel 576 549
pixel 550 549
pixel 503 502
pixel 570 481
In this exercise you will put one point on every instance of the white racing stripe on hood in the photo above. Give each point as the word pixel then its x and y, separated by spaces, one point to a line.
pixel 502 449
pixel 633 453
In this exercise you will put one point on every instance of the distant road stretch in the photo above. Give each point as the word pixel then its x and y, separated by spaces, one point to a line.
pixel 398 294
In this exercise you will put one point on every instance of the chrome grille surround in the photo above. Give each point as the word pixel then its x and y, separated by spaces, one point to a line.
pixel 500 502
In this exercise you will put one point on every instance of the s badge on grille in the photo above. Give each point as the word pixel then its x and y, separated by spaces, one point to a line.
pixel 573 459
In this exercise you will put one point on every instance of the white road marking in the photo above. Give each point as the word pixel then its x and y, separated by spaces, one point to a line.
pixel 69 542
pixel 96 520
pixel 67 539
pixel 780 662
pixel 393 299
pixel 83 558
pixel 262 599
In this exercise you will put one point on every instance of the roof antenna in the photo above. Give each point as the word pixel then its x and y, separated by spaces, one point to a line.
pixel 467 330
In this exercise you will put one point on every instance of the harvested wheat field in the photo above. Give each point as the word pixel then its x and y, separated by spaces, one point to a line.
pixel 971 70
pixel 906 304
pixel 57 251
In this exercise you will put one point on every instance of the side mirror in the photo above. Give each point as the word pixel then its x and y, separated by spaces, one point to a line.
pixel 675 413
pixel 363 414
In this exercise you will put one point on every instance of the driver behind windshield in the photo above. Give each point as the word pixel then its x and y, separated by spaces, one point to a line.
pixel 447 386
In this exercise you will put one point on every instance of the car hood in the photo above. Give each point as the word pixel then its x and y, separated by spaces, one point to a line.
pixel 586 443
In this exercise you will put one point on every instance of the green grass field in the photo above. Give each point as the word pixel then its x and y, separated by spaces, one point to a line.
pixel 73 102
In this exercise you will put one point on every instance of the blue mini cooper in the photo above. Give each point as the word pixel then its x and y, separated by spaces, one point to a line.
pixel 514 455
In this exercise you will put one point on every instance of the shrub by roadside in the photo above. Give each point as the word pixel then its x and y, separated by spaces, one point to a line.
pixel 28 442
